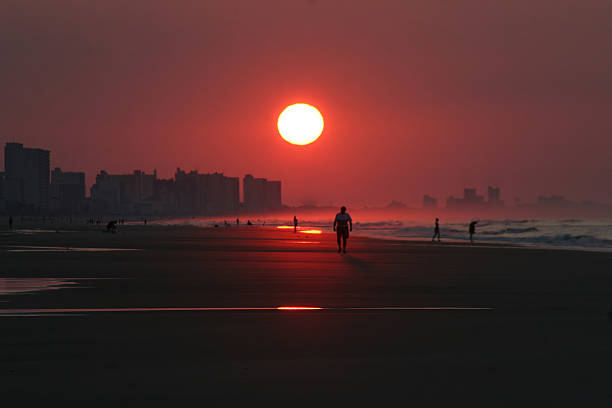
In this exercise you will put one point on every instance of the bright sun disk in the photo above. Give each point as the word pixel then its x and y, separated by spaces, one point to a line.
pixel 300 124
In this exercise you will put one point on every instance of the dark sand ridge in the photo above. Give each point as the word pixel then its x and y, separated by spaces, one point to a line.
pixel 547 339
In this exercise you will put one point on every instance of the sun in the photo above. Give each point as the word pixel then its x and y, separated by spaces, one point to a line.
pixel 300 124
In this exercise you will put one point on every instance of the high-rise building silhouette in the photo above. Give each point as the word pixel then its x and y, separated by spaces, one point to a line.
pixel 261 194
pixel 494 197
pixel 471 198
pixel 206 194
pixel 26 177
pixel 429 202
pixel 122 192
pixel 67 190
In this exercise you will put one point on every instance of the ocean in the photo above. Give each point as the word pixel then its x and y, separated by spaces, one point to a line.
pixel 592 234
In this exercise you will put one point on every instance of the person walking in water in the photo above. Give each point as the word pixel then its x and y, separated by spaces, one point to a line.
pixel 295 224
pixel 342 224
pixel 436 231
pixel 472 230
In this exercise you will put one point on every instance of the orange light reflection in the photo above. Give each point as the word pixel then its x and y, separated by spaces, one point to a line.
pixel 298 308
pixel 312 231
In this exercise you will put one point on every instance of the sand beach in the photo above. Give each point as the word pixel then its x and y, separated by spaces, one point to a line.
pixel 190 315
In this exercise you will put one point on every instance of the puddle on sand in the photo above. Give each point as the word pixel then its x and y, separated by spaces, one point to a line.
pixel 28 248
pixel 11 286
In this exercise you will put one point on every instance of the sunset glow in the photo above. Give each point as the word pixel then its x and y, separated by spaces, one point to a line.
pixel 300 124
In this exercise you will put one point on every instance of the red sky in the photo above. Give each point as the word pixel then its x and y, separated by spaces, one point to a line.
pixel 418 96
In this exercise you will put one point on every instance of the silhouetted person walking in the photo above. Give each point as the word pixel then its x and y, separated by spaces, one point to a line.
pixel 342 222
pixel 111 226
pixel 237 221
pixel 11 223
pixel 472 230
pixel 436 231
pixel 295 223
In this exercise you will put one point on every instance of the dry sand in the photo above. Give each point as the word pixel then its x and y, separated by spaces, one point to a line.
pixel 543 337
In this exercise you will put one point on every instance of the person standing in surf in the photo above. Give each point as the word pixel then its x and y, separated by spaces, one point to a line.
pixel 472 230
pixel 343 223
pixel 436 231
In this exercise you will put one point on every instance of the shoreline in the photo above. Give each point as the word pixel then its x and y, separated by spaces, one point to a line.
pixel 70 228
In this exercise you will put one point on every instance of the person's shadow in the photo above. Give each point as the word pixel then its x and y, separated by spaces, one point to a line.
pixel 357 263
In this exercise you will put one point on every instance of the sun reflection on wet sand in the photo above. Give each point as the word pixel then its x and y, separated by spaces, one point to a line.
pixel 9 286
pixel 298 308
pixel 66 311
pixel 300 229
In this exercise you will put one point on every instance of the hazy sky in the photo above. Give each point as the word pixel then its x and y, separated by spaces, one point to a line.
pixel 418 96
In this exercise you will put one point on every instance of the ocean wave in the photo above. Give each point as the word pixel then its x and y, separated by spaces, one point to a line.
pixel 592 235
pixel 511 231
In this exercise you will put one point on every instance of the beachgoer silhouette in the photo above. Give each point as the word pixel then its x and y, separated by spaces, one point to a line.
pixel 436 231
pixel 11 223
pixel 472 230
pixel 295 223
pixel 249 222
pixel 342 222
pixel 237 221
pixel 111 226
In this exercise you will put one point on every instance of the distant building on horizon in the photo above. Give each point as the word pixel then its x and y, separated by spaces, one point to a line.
pixel 471 199
pixel 122 193
pixel 25 182
pixel 206 194
pixel 261 194
pixel 189 193
pixel 429 202
pixel 553 201
pixel 494 197
pixel 67 190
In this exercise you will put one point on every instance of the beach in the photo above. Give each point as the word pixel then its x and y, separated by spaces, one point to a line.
pixel 178 314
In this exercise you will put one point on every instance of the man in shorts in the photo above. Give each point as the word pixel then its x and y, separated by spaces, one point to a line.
pixel 342 225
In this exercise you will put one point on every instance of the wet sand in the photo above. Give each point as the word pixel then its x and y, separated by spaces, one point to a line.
pixel 408 322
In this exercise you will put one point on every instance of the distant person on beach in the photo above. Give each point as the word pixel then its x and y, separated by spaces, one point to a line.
pixel 342 224
pixel 295 224
pixel 237 221
pixel 249 222
pixel 11 223
pixel 111 226
pixel 436 231
pixel 472 230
